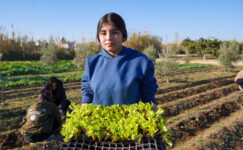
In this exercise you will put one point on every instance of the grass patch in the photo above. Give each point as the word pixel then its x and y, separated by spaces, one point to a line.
pixel 189 66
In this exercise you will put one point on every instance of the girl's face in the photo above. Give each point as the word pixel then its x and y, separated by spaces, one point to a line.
pixel 111 38
pixel 54 86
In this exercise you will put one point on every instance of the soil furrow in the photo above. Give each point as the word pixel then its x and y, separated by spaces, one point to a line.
pixel 163 98
pixel 36 91
pixel 199 119
pixel 196 83
pixel 176 107
pixel 188 71
pixel 226 134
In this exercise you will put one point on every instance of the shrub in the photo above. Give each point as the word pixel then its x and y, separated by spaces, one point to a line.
pixel 49 51
pixel 65 54
pixel 167 64
pixel 165 67
pixel 140 41
pixel 83 51
pixel 151 52
pixel 187 57
pixel 228 54
pixel 1 83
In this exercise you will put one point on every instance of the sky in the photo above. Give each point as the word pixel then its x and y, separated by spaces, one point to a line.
pixel 77 20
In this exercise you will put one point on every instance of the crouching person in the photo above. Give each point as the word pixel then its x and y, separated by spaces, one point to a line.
pixel 57 94
pixel 239 79
pixel 42 118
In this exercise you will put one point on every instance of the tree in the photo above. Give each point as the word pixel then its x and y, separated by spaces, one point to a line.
pixel 83 51
pixel 167 64
pixel 228 54
pixel 48 51
pixel 190 45
pixel 1 82
pixel 202 47
pixel 213 46
pixel 151 52
pixel 140 41
pixel 187 57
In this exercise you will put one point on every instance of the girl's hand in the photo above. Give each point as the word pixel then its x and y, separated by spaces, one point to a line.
pixel 61 111
pixel 83 104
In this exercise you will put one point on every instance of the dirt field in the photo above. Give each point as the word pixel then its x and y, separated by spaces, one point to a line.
pixel 204 108
pixel 210 61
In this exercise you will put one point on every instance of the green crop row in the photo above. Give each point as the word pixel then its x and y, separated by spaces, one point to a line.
pixel 188 66
pixel 35 67
pixel 39 79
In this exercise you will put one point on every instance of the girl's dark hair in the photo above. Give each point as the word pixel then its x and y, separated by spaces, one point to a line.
pixel 52 80
pixel 45 95
pixel 116 20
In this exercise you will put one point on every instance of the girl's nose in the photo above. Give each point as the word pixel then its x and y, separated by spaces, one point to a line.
pixel 108 36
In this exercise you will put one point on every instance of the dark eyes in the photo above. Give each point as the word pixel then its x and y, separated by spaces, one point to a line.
pixel 112 32
pixel 102 33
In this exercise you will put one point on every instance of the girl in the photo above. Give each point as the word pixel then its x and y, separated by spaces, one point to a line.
pixel 117 74
pixel 57 92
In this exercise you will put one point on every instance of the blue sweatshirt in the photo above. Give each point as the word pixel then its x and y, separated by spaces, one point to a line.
pixel 124 79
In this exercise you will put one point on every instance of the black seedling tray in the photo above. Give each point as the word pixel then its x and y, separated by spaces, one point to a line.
pixel 84 143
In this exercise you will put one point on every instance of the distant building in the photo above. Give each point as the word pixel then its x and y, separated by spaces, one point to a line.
pixel 66 44
pixel 39 43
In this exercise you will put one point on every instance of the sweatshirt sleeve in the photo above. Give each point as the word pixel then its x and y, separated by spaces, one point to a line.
pixel 149 84
pixel 87 94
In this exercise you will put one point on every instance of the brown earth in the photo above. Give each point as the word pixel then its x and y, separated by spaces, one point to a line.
pixel 15 140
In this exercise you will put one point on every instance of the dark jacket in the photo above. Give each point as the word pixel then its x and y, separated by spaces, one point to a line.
pixel 41 117
pixel 58 97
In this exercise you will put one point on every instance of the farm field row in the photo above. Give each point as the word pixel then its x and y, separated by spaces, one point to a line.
pixel 192 122
pixel 39 79
pixel 35 67
pixel 192 79
pixel 198 110
pixel 226 134
pixel 18 74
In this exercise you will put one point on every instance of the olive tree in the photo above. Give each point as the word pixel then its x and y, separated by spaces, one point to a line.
pixel 167 64
pixel 228 54
pixel 151 52
pixel 83 51
pixel 187 57
pixel 49 52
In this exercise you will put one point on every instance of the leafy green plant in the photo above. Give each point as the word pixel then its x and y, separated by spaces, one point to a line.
pixel 189 66
pixel 35 67
pixel 116 123
pixel 39 79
